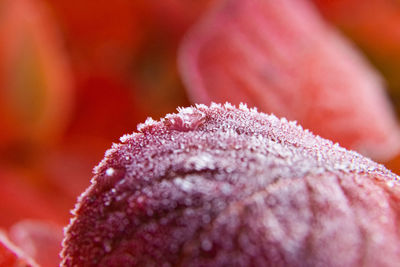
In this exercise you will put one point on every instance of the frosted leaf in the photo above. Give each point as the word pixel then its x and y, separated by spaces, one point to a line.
pixel 225 186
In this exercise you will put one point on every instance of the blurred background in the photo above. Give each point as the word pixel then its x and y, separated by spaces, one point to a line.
pixel 77 75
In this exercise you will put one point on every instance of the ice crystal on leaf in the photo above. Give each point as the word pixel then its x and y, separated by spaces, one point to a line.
pixel 227 186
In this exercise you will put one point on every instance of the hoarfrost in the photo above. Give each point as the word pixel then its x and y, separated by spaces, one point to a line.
pixel 220 178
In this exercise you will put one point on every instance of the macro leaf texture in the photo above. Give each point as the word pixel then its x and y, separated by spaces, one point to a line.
pixel 283 58
pixel 224 186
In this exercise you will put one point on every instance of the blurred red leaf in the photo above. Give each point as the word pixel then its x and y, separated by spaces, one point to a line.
pixel 10 255
pixel 35 93
pixel 374 25
pixel 282 58
pixel 41 241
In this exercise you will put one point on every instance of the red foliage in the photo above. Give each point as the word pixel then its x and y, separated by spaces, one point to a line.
pixel 76 75
pixel 287 61
pixel 10 255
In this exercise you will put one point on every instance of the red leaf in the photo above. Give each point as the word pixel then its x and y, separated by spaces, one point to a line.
pixel 10 255
pixel 226 186
pixel 282 58
pixel 41 241
pixel 35 92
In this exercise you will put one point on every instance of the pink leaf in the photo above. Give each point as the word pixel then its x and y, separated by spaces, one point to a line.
pixel 40 240
pixel 10 255
pixel 282 58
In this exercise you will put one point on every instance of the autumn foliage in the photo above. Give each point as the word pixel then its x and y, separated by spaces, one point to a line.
pixel 77 75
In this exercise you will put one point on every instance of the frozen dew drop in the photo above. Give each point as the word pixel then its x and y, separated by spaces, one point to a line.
pixel 226 189
pixel 206 245
pixel 187 119
pixel 110 171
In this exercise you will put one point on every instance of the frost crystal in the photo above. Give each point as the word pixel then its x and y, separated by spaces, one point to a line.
pixel 110 171
pixel 227 186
